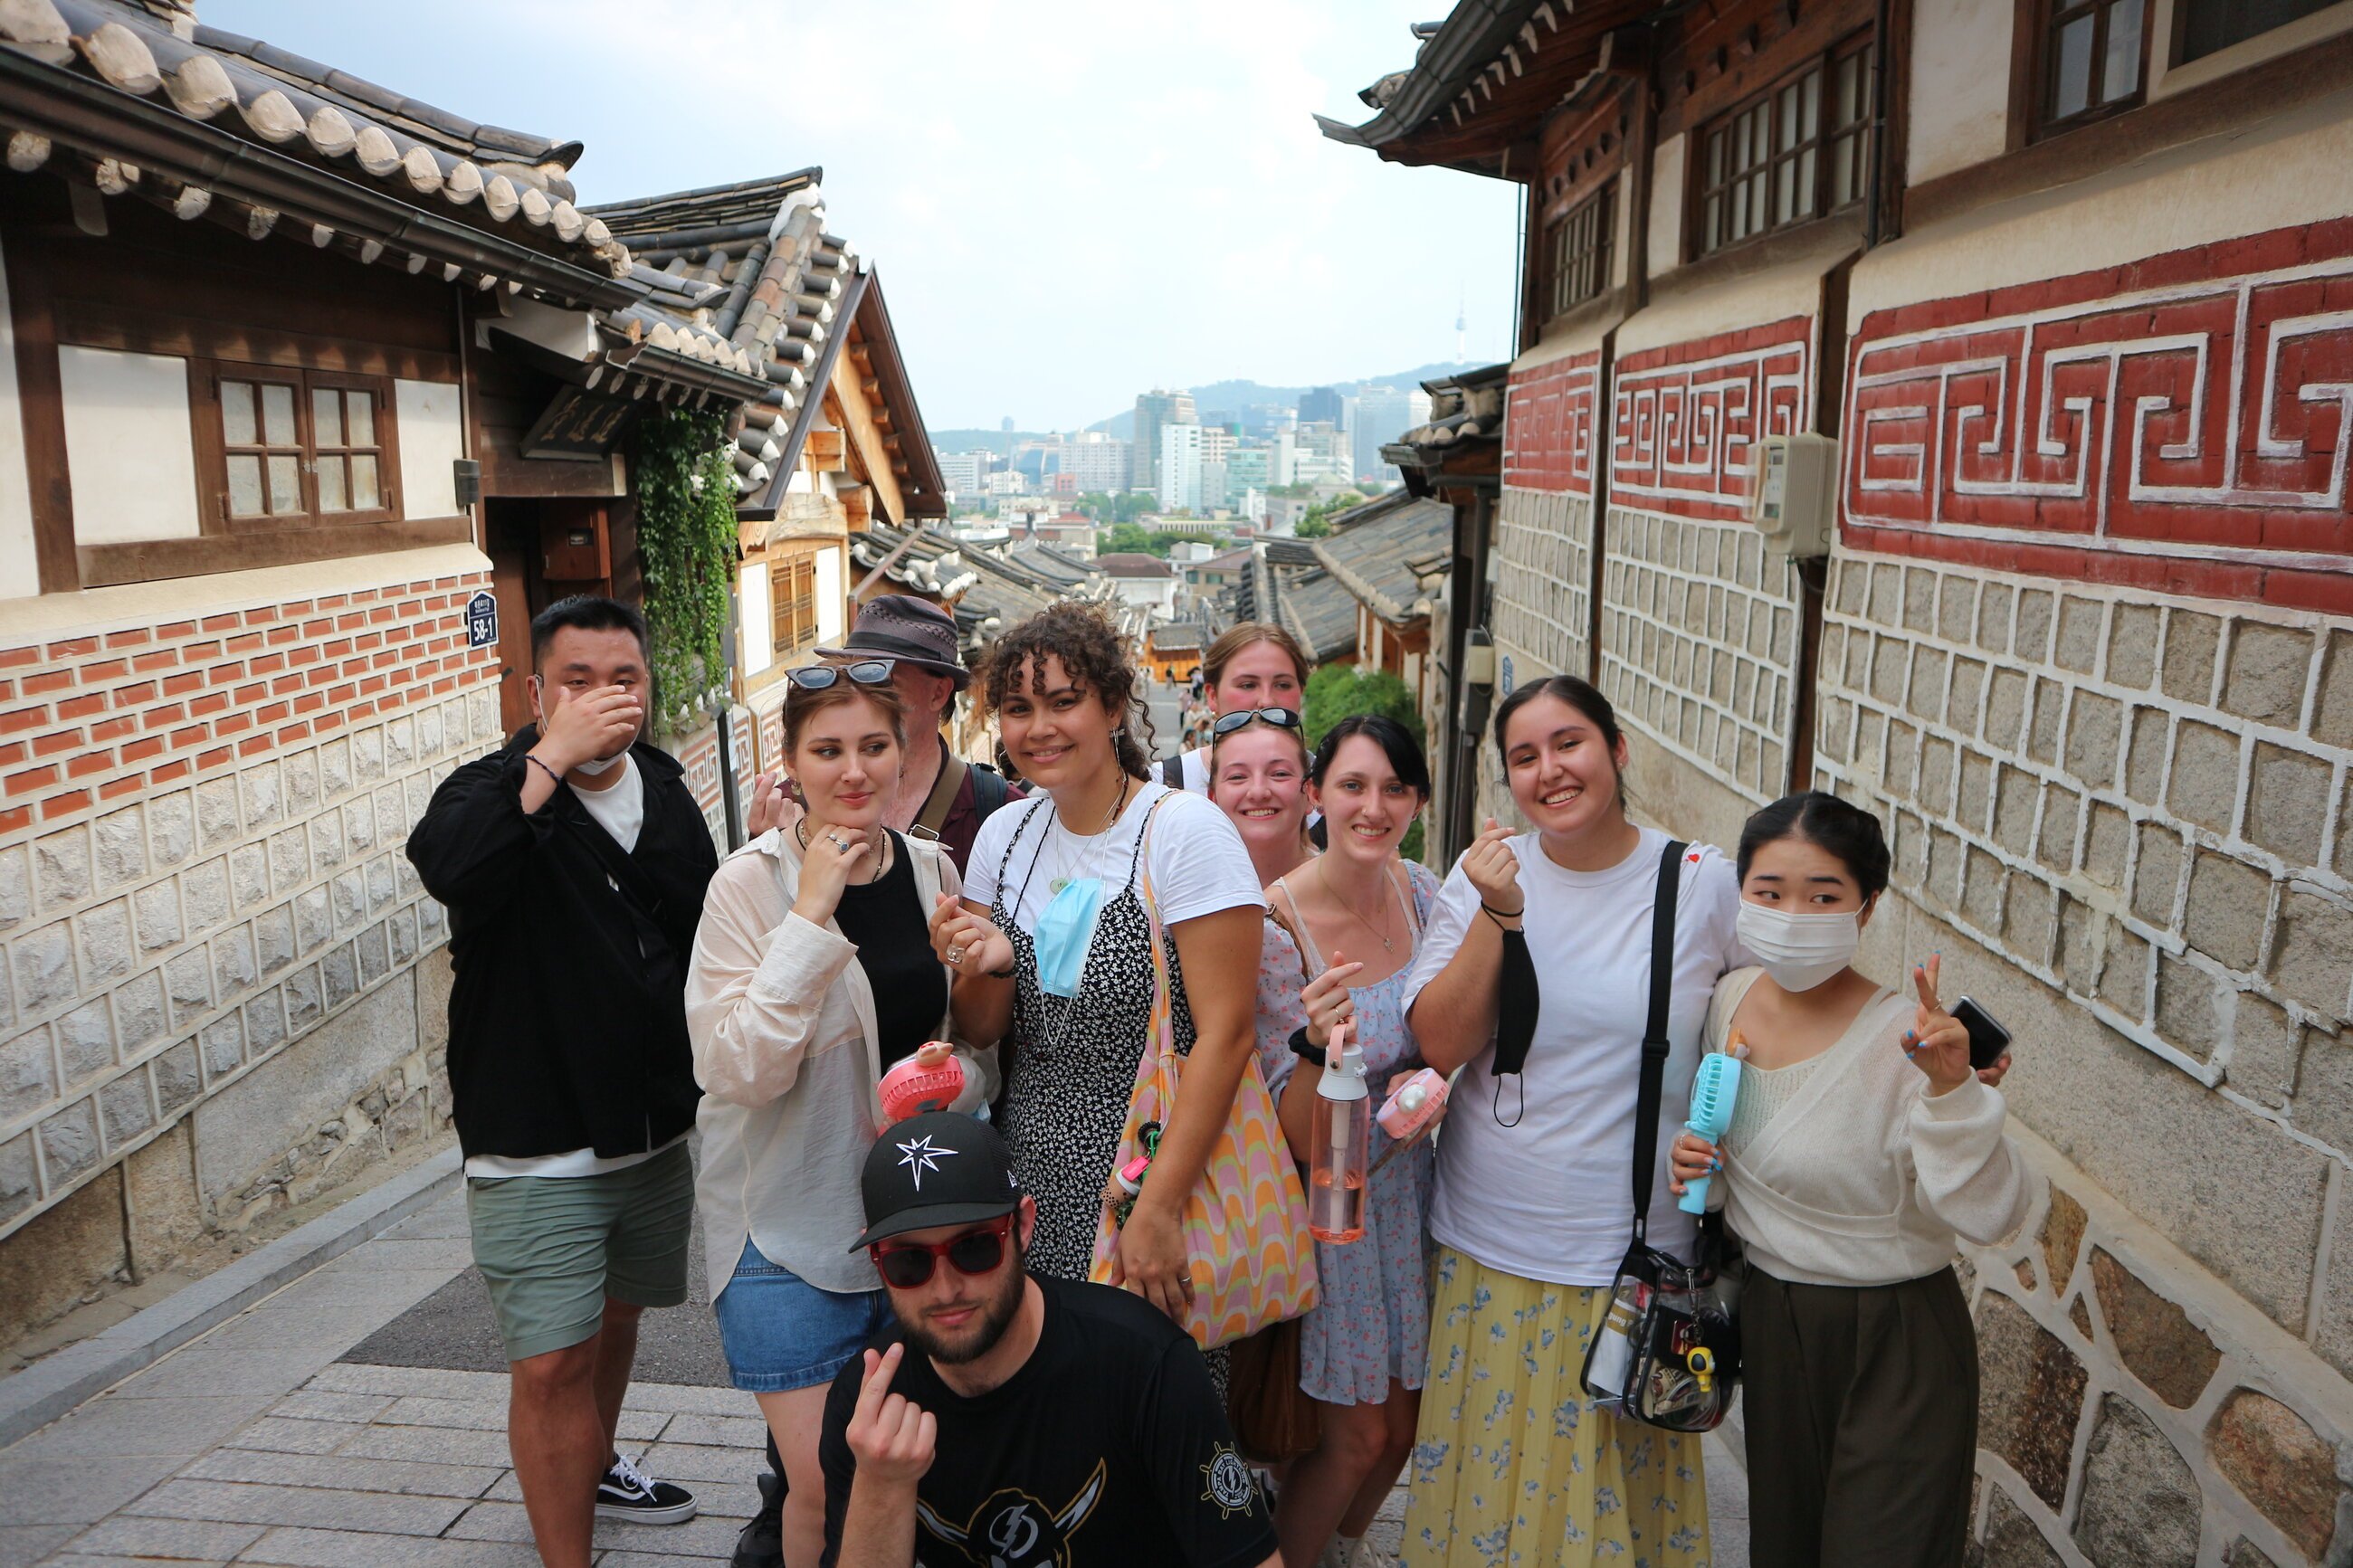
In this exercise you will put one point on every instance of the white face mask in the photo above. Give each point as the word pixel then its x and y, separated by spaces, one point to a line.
pixel 1799 951
pixel 596 766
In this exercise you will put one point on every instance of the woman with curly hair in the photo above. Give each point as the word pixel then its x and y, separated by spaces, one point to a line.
pixel 1052 949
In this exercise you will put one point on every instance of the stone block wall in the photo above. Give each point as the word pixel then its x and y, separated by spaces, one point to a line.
pixel 2116 815
pixel 213 942
pixel 1699 653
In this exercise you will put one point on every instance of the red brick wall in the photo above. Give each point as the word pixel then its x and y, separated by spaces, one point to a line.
pixel 1684 417
pixel 90 719
pixel 2180 425
pixel 1548 426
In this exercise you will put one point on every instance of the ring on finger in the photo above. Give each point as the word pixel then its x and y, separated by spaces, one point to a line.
pixel 956 955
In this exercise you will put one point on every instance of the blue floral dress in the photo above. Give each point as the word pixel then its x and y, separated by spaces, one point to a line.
pixel 1373 1323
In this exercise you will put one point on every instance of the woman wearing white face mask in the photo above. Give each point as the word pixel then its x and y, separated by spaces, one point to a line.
pixel 1863 1149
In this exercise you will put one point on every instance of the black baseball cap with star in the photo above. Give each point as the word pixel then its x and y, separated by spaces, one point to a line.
pixel 940 1168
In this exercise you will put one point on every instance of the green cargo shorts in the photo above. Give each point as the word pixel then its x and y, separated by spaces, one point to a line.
pixel 552 1248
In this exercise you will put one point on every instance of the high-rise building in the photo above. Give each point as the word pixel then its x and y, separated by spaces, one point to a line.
pixel 1324 404
pixel 1099 461
pixel 1154 409
pixel 1384 414
pixel 1249 468
pixel 1179 467
pixel 961 472
pixel 1322 452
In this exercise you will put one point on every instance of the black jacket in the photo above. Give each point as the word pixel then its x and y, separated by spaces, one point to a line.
pixel 567 1020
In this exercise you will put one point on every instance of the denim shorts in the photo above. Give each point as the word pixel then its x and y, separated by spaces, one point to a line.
pixel 782 1332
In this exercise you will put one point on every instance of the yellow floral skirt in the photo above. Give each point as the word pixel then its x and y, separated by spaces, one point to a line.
pixel 1512 1464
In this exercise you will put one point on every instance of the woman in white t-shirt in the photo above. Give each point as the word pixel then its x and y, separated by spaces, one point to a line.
pixel 1534 1202
pixel 1052 952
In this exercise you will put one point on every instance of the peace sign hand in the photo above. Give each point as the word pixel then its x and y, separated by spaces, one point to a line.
pixel 1937 1043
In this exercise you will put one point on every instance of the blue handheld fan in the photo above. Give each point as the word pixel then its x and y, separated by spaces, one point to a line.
pixel 1713 1094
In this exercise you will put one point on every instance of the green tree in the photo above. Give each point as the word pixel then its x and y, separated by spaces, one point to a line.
pixel 1337 691
pixel 1317 523
pixel 1134 538
pixel 1312 526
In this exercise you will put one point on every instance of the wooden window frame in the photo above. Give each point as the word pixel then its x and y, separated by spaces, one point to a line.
pixel 1782 164
pixel 792 615
pixel 1596 248
pixel 2033 58
pixel 206 408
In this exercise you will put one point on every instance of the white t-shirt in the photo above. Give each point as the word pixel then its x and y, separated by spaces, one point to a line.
pixel 1551 1198
pixel 619 808
pixel 1197 863
pixel 1196 770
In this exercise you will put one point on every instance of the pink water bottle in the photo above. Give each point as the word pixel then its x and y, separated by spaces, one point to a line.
pixel 1339 1137
pixel 928 1081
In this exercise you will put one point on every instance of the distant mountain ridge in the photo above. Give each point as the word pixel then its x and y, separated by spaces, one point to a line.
pixel 1214 397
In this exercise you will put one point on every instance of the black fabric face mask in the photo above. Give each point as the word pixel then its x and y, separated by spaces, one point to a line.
pixel 1517 1000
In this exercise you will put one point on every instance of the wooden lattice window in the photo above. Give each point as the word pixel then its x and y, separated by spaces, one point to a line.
pixel 1577 253
pixel 2095 60
pixel 300 446
pixel 1798 150
pixel 792 591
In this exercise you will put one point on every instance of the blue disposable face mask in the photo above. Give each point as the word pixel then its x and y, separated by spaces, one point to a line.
pixel 1062 935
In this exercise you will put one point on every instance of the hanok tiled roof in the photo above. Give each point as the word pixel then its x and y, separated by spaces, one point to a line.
pixel 1055 565
pixel 990 590
pixel 1321 614
pixel 208 123
pixel 1390 553
pixel 1463 408
pixel 768 283
pixel 1132 564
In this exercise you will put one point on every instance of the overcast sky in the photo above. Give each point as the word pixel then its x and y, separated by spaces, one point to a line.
pixel 1068 200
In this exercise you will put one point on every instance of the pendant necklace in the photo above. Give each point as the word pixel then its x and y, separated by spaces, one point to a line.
pixel 1325 878
pixel 1062 852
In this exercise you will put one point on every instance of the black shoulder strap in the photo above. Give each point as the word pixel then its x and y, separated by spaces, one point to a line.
pixel 988 791
pixel 1172 771
pixel 1654 1031
pixel 639 897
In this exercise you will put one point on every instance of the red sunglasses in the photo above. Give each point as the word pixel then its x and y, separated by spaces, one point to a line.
pixel 909 1264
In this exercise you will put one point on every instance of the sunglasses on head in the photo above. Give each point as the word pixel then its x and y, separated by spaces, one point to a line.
pixel 819 676
pixel 1281 718
pixel 909 1264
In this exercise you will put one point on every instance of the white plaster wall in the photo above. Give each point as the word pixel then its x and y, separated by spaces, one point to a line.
pixel 828 597
pixel 2277 173
pixel 756 625
pixel 1960 85
pixel 1791 287
pixel 432 438
pixel 19 560
pixel 1666 237
pixel 129 447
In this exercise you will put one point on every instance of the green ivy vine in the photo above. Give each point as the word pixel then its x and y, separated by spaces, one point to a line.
pixel 687 544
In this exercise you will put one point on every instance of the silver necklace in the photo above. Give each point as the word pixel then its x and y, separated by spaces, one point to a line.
pixel 1064 852
pixel 1325 878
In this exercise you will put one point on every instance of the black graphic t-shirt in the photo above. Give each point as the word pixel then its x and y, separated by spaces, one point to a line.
pixel 1109 1447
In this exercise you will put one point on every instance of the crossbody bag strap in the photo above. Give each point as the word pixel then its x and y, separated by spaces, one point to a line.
pixel 942 798
pixel 1654 1033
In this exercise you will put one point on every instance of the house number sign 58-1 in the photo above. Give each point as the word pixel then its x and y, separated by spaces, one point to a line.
pixel 481 620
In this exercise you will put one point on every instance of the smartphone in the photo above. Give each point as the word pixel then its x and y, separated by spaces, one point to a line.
pixel 1988 1038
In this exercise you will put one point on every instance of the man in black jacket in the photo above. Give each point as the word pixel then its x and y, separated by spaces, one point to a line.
pixel 573 864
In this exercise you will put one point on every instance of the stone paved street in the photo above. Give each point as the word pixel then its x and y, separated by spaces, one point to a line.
pixel 285 1437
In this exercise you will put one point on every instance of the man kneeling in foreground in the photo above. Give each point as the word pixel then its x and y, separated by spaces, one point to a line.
pixel 1006 1421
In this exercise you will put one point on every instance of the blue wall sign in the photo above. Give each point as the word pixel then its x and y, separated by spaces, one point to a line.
pixel 481 620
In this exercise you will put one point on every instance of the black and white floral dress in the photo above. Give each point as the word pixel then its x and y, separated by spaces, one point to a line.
pixel 1071 1061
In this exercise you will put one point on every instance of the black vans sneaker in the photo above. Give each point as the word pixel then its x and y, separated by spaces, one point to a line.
pixel 627 1493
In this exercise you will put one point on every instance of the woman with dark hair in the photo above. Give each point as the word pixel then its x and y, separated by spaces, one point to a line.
pixel 1363 1348
pixel 1533 1202
pixel 811 977
pixel 1862 1152
pixel 1052 948
pixel 1258 775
